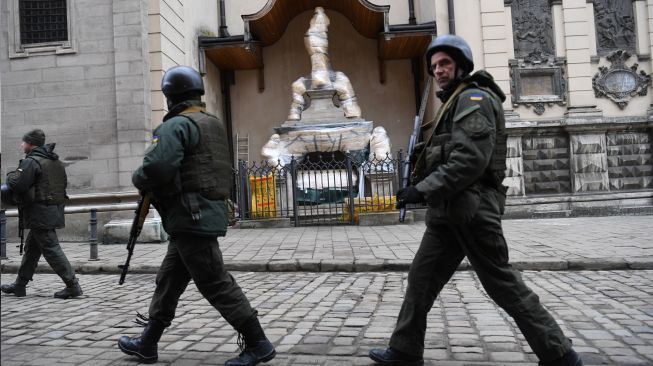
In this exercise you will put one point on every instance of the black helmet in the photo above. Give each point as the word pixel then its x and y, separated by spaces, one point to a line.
pixel 182 80
pixel 454 46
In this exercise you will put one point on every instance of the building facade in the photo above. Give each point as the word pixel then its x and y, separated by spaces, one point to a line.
pixel 576 73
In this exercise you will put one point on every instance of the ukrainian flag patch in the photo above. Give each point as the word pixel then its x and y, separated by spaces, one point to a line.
pixel 155 139
pixel 476 97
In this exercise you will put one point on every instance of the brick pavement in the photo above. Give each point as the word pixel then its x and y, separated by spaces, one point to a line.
pixel 331 319
pixel 614 242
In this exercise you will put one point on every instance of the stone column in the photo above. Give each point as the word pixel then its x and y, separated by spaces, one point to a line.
pixel 649 18
pixel 588 159
pixel 591 36
pixel 497 45
pixel 132 85
pixel 642 28
pixel 558 28
pixel 648 15
pixel 577 49
pixel 468 25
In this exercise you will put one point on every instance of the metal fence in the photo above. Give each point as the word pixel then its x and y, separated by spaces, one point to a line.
pixel 319 189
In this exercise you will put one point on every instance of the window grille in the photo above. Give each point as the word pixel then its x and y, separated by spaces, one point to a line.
pixel 43 21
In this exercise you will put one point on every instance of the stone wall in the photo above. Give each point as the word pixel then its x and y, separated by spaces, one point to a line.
pixel 93 100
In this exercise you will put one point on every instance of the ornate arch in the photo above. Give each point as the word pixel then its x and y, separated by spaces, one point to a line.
pixel 268 24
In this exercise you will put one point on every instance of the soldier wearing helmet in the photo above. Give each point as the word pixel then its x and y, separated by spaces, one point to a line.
pixel 186 171
pixel 459 173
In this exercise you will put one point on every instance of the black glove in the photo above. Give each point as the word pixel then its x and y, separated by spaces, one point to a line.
pixel 408 195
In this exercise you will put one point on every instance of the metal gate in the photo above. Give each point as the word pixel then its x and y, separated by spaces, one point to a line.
pixel 321 189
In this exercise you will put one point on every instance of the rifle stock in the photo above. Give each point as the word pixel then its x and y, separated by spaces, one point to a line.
pixel 405 174
pixel 21 232
pixel 141 212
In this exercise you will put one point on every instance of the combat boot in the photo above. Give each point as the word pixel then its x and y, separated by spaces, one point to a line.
pixel 392 357
pixel 145 346
pixel 257 347
pixel 570 358
pixel 73 289
pixel 14 288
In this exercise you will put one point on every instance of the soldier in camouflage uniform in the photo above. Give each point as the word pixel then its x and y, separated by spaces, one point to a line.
pixel 459 173
pixel 187 172
pixel 38 187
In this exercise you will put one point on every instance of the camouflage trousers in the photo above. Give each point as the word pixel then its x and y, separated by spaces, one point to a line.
pixel 200 259
pixel 44 242
pixel 443 247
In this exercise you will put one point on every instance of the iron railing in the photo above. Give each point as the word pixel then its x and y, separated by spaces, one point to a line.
pixel 319 189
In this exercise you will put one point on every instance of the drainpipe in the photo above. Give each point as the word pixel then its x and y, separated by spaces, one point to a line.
pixel 223 21
pixel 411 12
pixel 226 79
pixel 452 18
pixel 416 64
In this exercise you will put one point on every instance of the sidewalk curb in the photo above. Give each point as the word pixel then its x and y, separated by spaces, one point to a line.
pixel 330 265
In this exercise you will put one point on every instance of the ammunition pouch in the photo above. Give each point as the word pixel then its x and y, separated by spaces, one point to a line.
pixel 432 156
pixel 463 206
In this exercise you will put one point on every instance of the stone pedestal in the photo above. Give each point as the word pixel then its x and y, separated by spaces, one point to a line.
pixel 117 231
pixel 323 128
pixel 381 183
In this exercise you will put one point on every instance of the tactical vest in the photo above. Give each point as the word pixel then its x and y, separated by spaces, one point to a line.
pixel 51 186
pixel 206 169
pixel 440 145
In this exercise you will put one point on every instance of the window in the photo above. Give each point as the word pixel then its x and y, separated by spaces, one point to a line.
pixel 40 27
pixel 43 21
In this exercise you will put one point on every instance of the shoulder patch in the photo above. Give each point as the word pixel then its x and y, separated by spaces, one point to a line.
pixel 154 144
pixel 476 126
pixel 476 97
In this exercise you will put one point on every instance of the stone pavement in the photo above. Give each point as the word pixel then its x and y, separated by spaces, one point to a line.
pixel 317 312
pixel 331 319
pixel 614 242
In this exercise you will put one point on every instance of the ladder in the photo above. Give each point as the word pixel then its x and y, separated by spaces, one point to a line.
pixel 242 147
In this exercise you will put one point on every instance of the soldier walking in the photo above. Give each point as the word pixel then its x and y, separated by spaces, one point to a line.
pixel 187 172
pixel 38 187
pixel 459 174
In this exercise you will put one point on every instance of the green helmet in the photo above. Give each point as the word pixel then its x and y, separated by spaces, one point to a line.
pixel 182 80
pixel 454 46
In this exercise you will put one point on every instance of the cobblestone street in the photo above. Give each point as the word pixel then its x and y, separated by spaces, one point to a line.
pixel 332 319
pixel 327 295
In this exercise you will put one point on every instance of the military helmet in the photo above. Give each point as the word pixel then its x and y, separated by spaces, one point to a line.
pixel 454 46
pixel 182 80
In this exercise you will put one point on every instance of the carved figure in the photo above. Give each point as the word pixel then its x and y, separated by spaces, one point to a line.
pixel 380 147
pixel 615 26
pixel 271 151
pixel 322 76
pixel 317 46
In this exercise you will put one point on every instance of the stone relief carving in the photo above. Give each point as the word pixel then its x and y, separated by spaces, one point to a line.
pixel 615 26
pixel 322 76
pixel 537 77
pixel 538 80
pixel 532 27
pixel 619 82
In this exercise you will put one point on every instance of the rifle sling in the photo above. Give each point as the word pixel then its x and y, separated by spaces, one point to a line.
pixel 441 112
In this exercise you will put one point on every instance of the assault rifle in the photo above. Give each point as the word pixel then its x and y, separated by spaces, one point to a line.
pixel 407 168
pixel 21 231
pixel 141 212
